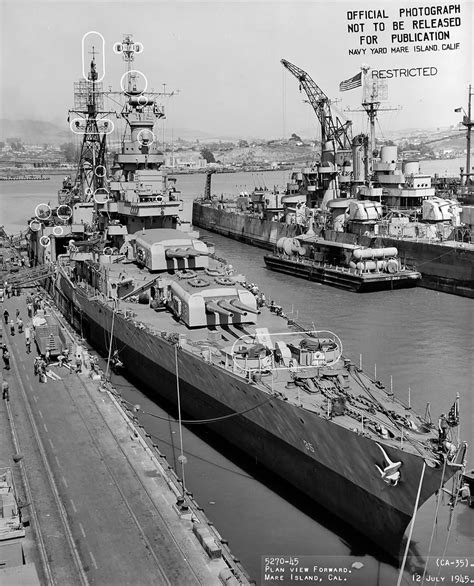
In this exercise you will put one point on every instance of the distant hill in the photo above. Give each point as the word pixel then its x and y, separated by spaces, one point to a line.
pixel 34 131
pixel 40 132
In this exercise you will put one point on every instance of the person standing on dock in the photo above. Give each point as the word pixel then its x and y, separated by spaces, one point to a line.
pixel 6 359
pixel 5 391
pixel 42 372
pixel 12 327
pixel 28 340
pixel 19 323
pixel 6 316
pixel 29 308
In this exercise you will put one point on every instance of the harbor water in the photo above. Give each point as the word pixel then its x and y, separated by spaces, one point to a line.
pixel 418 341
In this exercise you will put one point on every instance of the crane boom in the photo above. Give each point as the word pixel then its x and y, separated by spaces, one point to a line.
pixel 331 129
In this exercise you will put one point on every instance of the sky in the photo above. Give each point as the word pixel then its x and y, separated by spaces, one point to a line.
pixel 224 58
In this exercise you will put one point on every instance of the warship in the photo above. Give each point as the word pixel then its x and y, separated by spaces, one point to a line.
pixel 132 277
pixel 350 196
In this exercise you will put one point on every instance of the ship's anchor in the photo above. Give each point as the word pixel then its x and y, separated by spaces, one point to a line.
pixel 391 473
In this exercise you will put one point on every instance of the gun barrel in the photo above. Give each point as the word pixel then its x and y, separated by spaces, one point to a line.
pixel 226 305
pixel 176 253
pixel 212 307
pixel 239 305
pixel 192 252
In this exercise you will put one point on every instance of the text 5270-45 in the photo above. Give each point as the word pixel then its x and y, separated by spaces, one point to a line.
pixel 281 561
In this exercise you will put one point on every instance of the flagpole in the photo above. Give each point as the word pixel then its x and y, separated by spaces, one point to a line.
pixel 459 419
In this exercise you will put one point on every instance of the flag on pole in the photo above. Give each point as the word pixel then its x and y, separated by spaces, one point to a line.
pixel 453 415
pixel 458 110
pixel 350 84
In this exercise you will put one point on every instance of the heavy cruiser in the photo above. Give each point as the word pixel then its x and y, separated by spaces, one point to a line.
pixel 130 278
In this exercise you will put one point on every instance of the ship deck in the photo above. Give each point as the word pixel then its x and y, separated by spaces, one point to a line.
pixel 371 410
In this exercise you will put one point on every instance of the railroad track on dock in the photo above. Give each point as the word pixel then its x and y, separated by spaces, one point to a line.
pixel 159 546
pixel 69 553
pixel 63 543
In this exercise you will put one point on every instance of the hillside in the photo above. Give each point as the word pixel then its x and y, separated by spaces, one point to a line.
pixel 41 132
pixel 34 131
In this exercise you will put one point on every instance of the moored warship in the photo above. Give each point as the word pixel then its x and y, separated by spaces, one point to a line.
pixel 352 197
pixel 127 272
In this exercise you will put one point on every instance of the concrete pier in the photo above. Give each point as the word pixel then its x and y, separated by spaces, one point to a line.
pixel 98 501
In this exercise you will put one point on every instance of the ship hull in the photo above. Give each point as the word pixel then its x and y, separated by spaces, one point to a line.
pixel 443 268
pixel 332 465
pixel 342 278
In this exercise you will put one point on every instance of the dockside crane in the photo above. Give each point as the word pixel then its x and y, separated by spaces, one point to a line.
pixel 332 129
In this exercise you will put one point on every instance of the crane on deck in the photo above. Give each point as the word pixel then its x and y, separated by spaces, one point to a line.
pixel 332 129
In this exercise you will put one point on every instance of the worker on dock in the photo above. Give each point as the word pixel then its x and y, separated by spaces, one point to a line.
pixel 6 316
pixel 19 323
pixel 6 359
pixel 42 371
pixel 28 340
pixel 12 327
pixel 5 391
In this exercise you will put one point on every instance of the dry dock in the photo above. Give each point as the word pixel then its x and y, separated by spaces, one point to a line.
pixel 97 498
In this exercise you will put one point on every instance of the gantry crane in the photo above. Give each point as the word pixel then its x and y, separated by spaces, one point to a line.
pixel 331 128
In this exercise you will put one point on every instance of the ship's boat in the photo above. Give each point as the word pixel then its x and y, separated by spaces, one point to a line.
pixel 172 312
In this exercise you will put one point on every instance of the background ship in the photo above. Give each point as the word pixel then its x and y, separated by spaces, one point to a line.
pixel 351 197
pixel 189 329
